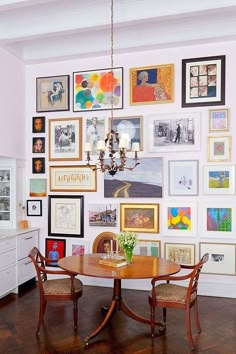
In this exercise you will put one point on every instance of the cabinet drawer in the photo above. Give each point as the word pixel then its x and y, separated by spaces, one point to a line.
pixel 25 242
pixel 26 270
pixel 7 243
pixel 7 258
pixel 8 280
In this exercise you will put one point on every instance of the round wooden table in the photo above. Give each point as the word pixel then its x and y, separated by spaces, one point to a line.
pixel 142 267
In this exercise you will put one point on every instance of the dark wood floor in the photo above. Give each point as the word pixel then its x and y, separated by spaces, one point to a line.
pixel 19 315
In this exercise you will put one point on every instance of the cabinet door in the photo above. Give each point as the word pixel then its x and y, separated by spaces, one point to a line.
pixel 5 196
pixel 25 242
pixel 8 280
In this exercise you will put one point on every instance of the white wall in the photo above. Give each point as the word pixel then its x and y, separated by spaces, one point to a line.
pixel 210 284
pixel 12 106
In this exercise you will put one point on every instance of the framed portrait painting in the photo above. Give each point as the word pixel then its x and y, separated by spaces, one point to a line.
pixel 34 207
pixel 219 148
pixel 65 139
pixel 203 81
pixel 38 165
pixel 174 132
pixel 129 128
pixel 52 93
pixel 219 120
pixel 183 177
pixel 38 125
pixel 219 179
pixel 182 253
pixel 152 84
pixel 55 249
pixel 66 215
pixel 38 145
pixel 99 89
pixel 139 217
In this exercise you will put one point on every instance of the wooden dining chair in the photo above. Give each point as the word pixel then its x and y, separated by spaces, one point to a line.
pixel 169 295
pixel 66 288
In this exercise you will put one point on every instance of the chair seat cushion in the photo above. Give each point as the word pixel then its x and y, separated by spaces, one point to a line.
pixel 61 286
pixel 172 293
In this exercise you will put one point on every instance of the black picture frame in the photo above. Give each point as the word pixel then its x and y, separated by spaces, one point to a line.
pixel 38 165
pixel 38 124
pixel 66 215
pixel 203 81
pixel 34 207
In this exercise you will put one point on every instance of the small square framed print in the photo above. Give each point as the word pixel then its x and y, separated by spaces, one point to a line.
pixel 34 207
pixel 219 148
pixel 38 125
pixel 183 177
pixel 218 120
pixel 219 179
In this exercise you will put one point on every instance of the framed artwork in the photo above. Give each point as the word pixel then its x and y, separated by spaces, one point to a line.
pixel 146 181
pixel 66 215
pixel 52 93
pixel 219 120
pixel 104 215
pixel 38 187
pixel 38 145
pixel 183 177
pixel 76 247
pixel 95 130
pixel 152 84
pixel 174 132
pixel 139 217
pixel 129 128
pixel 219 148
pixel 38 125
pixel 203 81
pixel 222 258
pixel 182 253
pixel 104 242
pixel 55 249
pixel 98 89
pixel 34 207
pixel 219 179
pixel 65 139
pixel 217 219
pixel 179 219
pixel 38 165
pixel 80 178
pixel 148 248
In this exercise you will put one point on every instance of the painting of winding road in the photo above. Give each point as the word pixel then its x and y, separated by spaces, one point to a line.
pixel 144 181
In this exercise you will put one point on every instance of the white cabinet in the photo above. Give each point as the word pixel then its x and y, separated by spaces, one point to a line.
pixel 5 196
pixel 8 279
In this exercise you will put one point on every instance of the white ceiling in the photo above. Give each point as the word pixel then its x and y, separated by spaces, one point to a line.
pixel 37 31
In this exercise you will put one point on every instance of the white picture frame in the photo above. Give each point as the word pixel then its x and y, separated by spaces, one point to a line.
pixel 75 247
pixel 219 179
pixel 183 177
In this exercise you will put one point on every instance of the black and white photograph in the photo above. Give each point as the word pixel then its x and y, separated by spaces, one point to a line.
pixel 95 131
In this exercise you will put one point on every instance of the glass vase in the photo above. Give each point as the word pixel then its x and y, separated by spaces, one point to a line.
pixel 128 254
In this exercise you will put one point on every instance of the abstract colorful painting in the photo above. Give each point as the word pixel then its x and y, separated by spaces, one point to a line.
pixel 179 218
pixel 219 219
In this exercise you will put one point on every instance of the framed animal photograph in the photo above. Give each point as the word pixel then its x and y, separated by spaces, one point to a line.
pixel 203 81
pixel 219 179
pixel 183 177
pixel 152 84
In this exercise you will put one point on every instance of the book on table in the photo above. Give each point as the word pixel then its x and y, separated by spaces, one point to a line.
pixel 113 262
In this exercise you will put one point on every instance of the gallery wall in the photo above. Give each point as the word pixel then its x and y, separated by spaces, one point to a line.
pixel 211 284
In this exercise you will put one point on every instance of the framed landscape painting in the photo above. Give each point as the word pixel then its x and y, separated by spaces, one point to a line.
pixel 152 84
pixel 52 93
pixel 145 181
pixel 104 215
pixel 219 179
pixel 174 132
pixel 98 89
pixel 203 81
pixel 183 177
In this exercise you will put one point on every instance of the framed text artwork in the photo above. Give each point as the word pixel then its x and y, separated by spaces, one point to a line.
pixel 219 148
pixel 65 139
pixel 183 177
pixel 66 215
pixel 152 84
pixel 219 120
pixel 182 253
pixel 203 81
pixel 52 93
pixel 219 179
pixel 80 178
pixel 139 217
pixel 174 132
pixel 98 89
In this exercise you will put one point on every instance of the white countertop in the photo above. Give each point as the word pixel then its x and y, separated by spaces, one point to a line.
pixel 4 233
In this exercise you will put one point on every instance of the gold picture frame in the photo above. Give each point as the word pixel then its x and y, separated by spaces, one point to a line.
pixel 182 253
pixel 219 148
pixel 219 120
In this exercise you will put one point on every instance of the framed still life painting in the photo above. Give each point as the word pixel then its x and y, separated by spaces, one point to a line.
pixel 98 89
pixel 203 81
pixel 152 84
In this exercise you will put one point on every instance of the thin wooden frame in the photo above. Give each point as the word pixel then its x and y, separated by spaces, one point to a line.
pixel 34 207
pixel 148 248
pixel 92 89
pixel 164 135
pixel 55 249
pixel 222 258
pixel 182 253
pixel 77 247
pixel 219 179
pixel 183 177
pixel 53 93
pixel 65 139
pixel 66 215
pixel 129 128
pixel 139 217
pixel 219 148
pixel 219 120
pixel 203 81
pixel 152 84
pixel 80 178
